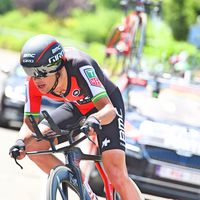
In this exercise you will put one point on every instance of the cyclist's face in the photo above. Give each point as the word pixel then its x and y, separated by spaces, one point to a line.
pixel 44 84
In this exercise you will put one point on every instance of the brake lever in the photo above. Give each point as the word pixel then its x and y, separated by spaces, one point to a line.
pixel 85 129
pixel 15 153
pixel 18 163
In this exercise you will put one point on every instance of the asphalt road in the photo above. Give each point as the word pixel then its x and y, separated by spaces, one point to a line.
pixel 26 184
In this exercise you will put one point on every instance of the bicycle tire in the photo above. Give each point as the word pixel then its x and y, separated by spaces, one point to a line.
pixel 98 187
pixel 60 181
pixel 112 60
pixel 116 196
pixel 128 60
pixel 138 44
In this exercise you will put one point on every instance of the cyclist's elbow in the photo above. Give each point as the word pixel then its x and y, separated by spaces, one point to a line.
pixel 112 112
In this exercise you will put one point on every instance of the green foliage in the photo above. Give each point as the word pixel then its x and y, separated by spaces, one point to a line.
pixel 16 27
pixel 96 50
pixel 179 14
pixel 159 39
pixel 89 30
pixel 160 43
pixel 92 26
pixel 107 3
pixel 194 60
pixel 12 41
pixel 5 5
pixel 24 20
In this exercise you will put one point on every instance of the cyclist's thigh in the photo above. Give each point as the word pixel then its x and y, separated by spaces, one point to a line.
pixel 65 115
pixel 112 135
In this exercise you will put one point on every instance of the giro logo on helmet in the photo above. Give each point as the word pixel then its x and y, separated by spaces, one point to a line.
pixel 57 57
pixel 28 60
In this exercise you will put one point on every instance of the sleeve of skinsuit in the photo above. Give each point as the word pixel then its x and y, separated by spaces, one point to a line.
pixel 95 86
pixel 32 99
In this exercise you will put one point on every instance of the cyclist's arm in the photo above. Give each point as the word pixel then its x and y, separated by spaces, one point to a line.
pixel 31 107
pixel 106 112
pixel 26 130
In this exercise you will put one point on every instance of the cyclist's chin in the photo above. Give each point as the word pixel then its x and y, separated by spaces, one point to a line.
pixel 43 90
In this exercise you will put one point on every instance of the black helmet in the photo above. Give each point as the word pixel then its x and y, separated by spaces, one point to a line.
pixel 41 56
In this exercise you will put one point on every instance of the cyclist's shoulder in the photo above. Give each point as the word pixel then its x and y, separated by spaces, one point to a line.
pixel 78 57
pixel 82 65
pixel 31 89
pixel 73 53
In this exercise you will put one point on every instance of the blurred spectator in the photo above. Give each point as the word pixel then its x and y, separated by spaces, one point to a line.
pixel 179 65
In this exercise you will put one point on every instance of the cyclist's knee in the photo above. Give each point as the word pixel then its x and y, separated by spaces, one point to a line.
pixel 118 178
pixel 116 173
pixel 115 166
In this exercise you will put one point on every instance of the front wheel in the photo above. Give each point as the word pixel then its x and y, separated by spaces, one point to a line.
pixel 62 185
pixel 116 196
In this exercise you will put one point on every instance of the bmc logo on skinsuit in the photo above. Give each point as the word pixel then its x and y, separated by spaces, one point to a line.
pixel 121 126
pixel 92 77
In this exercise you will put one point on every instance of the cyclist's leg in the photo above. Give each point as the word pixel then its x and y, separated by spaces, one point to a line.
pixel 112 144
pixel 115 167
pixel 45 162
pixel 63 116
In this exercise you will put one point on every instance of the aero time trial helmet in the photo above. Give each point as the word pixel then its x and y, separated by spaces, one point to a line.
pixel 41 56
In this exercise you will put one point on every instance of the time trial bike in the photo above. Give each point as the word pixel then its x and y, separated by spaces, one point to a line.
pixel 67 182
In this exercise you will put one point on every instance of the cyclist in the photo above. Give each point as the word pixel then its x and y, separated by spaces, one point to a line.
pixel 72 76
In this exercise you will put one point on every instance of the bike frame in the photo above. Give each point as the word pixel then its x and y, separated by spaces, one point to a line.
pixel 109 190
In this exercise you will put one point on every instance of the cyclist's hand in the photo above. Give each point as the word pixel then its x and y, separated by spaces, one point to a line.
pixel 91 125
pixel 17 151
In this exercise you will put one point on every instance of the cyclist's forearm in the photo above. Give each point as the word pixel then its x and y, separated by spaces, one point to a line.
pixel 26 131
pixel 25 134
pixel 106 114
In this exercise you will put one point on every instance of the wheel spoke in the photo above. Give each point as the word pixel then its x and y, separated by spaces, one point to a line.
pixel 61 190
